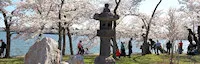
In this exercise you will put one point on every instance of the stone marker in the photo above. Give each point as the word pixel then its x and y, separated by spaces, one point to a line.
pixel 105 33
pixel 43 52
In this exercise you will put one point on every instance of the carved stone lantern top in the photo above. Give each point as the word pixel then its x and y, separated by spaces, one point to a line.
pixel 106 15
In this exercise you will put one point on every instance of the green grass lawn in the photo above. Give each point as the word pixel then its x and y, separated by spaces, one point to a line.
pixel 18 60
pixel 135 59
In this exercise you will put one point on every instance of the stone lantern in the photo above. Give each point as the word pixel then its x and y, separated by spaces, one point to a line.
pixel 105 33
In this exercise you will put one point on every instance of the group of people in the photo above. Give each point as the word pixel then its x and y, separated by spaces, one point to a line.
pixel 123 51
pixel 156 46
pixel 192 47
pixel 119 53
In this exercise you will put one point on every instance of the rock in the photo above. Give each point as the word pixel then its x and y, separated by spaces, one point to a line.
pixel 76 59
pixel 43 52
pixel 104 60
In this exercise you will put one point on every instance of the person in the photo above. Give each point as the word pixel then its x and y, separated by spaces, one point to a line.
pixel 80 48
pixel 158 47
pixel 3 46
pixel 130 48
pixel 141 49
pixel 190 49
pixel 118 53
pixel 169 45
pixel 123 53
pixel 86 51
pixel 180 47
pixel 152 44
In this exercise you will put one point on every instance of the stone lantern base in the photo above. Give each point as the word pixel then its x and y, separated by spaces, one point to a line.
pixel 104 60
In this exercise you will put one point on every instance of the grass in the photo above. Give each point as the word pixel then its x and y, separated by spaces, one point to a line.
pixel 135 59
pixel 16 60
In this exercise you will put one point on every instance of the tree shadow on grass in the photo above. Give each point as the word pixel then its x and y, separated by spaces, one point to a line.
pixel 134 59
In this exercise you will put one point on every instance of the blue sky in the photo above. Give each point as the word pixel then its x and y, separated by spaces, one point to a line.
pixel 146 6
pixel 9 8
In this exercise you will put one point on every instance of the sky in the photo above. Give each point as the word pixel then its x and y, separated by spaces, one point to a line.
pixel 146 6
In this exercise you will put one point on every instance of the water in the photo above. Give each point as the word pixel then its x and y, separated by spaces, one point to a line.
pixel 20 47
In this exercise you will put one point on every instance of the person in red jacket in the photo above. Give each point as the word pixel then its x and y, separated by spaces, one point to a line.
pixel 80 48
pixel 180 47
pixel 118 53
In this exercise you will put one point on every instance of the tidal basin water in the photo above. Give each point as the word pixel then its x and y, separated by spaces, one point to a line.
pixel 20 47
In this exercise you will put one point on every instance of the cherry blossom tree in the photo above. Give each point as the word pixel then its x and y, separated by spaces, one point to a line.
pixel 10 19
pixel 56 15
pixel 7 23
pixel 147 26
pixel 175 27
pixel 192 9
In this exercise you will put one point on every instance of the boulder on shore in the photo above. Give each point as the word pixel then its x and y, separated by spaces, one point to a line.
pixel 43 52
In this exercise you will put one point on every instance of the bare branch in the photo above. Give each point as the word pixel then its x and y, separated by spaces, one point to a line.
pixel 39 11
pixel 116 1
pixel 5 17
pixel 62 2
pixel 145 23
pixel 117 5
pixel 71 10
pixel 152 16
pixel 49 10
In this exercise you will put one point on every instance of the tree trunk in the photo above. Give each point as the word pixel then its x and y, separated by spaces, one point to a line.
pixel 59 26
pixel 8 37
pixel 172 52
pixel 59 35
pixel 195 38
pixel 115 47
pixel 70 41
pixel 64 42
pixel 198 43
pixel 145 46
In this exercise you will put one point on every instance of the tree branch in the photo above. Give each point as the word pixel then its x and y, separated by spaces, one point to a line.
pixel 117 5
pixel 39 11
pixel 62 2
pixel 152 16
pixel 10 20
pixel 5 17
pixel 145 25
pixel 132 14
pixel 49 10
pixel 115 11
